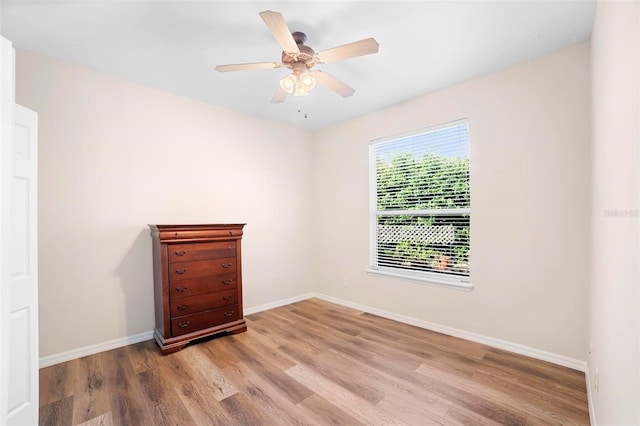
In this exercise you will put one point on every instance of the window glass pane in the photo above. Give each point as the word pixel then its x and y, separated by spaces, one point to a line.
pixel 430 243
pixel 426 171
pixel 423 202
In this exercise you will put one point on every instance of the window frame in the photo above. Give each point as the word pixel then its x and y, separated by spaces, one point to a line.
pixel 426 277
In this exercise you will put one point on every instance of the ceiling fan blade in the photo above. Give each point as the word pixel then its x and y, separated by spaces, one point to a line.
pixel 278 26
pixel 242 67
pixel 350 50
pixel 333 83
pixel 279 96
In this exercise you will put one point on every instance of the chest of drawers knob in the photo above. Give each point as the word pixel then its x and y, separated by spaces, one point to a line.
pixel 184 325
pixel 226 265
pixel 182 307
pixel 181 289
pixel 180 253
pixel 227 298
pixel 229 314
pixel 181 271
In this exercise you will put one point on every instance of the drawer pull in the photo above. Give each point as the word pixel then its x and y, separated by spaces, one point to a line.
pixel 181 271
pixel 227 297
pixel 176 235
pixel 185 325
pixel 182 307
pixel 228 314
pixel 181 289
pixel 227 282
pixel 181 253
pixel 230 232
pixel 226 265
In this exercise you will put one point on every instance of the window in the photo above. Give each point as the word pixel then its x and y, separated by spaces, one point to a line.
pixel 421 205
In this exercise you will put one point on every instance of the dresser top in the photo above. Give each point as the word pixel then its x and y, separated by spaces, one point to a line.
pixel 198 226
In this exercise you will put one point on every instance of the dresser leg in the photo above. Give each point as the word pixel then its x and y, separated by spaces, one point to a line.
pixel 165 348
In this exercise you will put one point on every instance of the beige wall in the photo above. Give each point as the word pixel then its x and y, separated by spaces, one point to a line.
pixel 116 156
pixel 614 328
pixel 530 155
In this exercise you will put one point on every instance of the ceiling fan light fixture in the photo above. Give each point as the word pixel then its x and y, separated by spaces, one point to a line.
pixel 300 84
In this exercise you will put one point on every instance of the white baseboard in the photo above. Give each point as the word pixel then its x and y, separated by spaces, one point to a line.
pixel 562 360
pixel 94 349
pixel 592 410
pixel 277 304
pixel 565 361
pixel 130 340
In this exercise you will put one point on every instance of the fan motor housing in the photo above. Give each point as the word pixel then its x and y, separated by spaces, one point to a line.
pixel 306 54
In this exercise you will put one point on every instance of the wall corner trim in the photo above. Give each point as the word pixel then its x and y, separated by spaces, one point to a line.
pixel 592 410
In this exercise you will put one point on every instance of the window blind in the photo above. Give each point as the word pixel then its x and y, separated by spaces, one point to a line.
pixel 421 203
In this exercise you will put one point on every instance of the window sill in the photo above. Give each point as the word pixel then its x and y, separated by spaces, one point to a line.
pixel 423 279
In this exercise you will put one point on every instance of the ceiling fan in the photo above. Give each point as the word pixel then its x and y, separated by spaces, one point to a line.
pixel 300 59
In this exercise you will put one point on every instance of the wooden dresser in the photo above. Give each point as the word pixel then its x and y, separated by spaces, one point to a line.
pixel 197 279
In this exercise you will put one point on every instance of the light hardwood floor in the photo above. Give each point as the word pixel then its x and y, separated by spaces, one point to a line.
pixel 314 363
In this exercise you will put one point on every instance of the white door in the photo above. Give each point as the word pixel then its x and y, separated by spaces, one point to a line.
pixel 23 271
pixel 18 262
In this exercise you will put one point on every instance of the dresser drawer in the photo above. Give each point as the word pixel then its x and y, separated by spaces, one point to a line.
pixel 191 287
pixel 195 322
pixel 201 251
pixel 203 302
pixel 177 232
pixel 201 268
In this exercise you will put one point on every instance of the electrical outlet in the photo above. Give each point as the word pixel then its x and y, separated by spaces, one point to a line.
pixel 345 282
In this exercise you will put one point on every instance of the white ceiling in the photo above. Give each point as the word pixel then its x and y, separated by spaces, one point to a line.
pixel 175 45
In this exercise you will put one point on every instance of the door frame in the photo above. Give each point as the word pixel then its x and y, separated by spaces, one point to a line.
pixel 7 101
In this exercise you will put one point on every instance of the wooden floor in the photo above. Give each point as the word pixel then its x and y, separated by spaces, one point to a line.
pixel 314 363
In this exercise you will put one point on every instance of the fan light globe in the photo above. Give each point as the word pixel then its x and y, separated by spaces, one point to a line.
pixel 300 90
pixel 308 81
pixel 288 83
